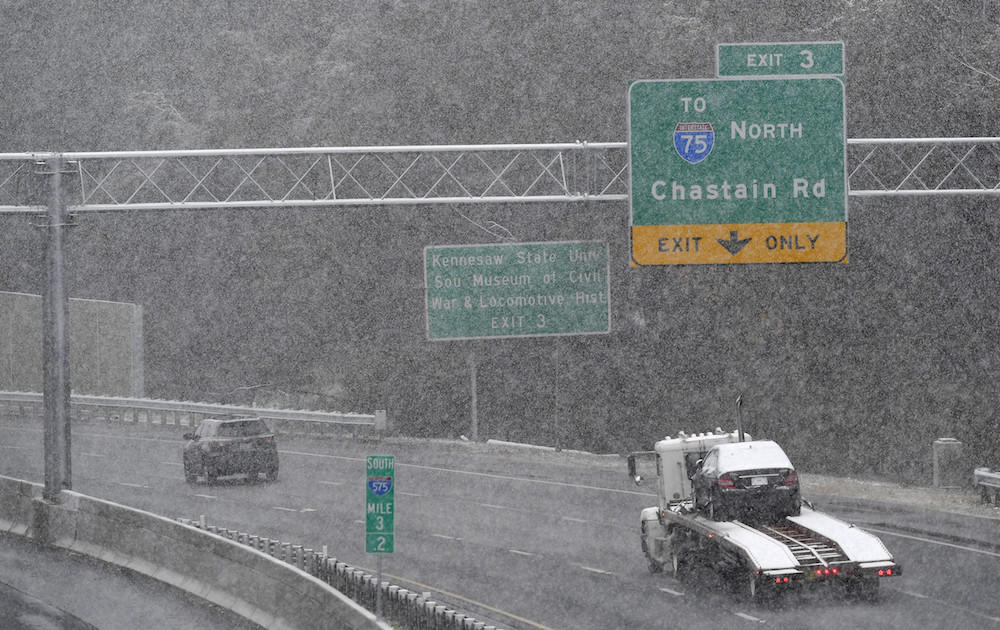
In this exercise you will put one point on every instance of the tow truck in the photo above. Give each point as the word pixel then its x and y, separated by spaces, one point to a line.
pixel 761 558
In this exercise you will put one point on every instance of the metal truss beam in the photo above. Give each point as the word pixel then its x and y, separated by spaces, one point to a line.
pixel 442 174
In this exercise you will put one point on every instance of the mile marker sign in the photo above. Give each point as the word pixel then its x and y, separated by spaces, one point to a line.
pixel 380 490
pixel 737 171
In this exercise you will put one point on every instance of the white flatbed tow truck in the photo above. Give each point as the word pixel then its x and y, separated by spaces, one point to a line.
pixel 761 558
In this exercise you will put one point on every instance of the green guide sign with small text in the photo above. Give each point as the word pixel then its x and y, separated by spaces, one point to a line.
pixel 517 290
pixel 779 59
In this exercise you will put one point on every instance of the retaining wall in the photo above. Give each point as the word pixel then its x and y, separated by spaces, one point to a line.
pixel 271 593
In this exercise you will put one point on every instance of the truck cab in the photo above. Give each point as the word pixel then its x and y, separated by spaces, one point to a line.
pixel 676 460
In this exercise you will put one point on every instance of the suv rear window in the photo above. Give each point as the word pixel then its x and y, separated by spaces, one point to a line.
pixel 242 428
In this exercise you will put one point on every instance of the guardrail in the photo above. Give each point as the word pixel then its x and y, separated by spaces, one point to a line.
pixel 182 413
pixel 404 609
pixel 988 482
pixel 256 586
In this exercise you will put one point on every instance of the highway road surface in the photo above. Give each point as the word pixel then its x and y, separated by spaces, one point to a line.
pixel 521 540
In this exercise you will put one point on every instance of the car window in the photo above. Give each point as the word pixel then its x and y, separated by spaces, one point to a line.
pixel 691 463
pixel 242 428
pixel 206 429
pixel 752 456
pixel 711 461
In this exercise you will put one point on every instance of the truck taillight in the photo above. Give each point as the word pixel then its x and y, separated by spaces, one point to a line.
pixel 791 478
pixel 726 483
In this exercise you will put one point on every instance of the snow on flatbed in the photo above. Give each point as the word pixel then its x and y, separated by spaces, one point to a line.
pixel 766 552
pixel 857 544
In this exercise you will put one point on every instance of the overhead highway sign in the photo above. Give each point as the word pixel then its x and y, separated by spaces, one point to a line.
pixel 773 59
pixel 737 171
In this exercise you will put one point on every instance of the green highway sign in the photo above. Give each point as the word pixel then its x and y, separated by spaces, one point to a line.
pixel 766 59
pixel 380 490
pixel 517 290
pixel 737 171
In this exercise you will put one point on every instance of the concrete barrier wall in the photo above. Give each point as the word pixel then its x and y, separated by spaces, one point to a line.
pixel 403 608
pixel 252 584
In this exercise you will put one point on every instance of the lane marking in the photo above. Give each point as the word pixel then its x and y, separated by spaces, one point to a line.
pixel 521 553
pixel 948 604
pixel 172 463
pixel 412 494
pixel 445 537
pixel 332 483
pixel 283 509
pixel 933 542
pixel 307 510
pixel 206 496
pixel 574 520
pixel 93 454
pixel 593 570
pixel 494 507
pixel 671 591
pixel 749 617
pixel 132 485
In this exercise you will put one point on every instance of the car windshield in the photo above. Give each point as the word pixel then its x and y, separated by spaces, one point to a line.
pixel 242 428
pixel 207 429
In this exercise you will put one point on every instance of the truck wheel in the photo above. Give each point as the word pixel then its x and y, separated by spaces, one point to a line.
pixel 752 590
pixel 654 566
pixel 678 563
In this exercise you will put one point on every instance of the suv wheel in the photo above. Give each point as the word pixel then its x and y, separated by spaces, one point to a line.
pixel 190 476
pixel 272 473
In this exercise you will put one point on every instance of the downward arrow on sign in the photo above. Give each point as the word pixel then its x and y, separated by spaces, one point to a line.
pixel 734 244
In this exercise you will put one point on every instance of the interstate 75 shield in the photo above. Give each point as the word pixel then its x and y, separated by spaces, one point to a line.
pixel 694 140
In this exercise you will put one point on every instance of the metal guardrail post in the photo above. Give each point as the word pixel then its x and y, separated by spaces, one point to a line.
pixel 988 482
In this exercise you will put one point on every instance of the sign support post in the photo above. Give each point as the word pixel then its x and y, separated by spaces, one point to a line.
pixel 380 489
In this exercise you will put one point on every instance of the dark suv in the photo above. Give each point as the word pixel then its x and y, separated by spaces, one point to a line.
pixel 228 447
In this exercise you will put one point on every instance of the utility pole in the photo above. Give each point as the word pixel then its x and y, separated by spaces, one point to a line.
pixel 474 430
pixel 55 339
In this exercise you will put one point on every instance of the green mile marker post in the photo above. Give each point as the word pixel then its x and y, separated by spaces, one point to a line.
pixel 380 490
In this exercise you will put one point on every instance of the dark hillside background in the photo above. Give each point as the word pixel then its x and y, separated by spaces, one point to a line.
pixel 856 368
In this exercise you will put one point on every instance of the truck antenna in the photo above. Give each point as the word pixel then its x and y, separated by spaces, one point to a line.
pixel 739 415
